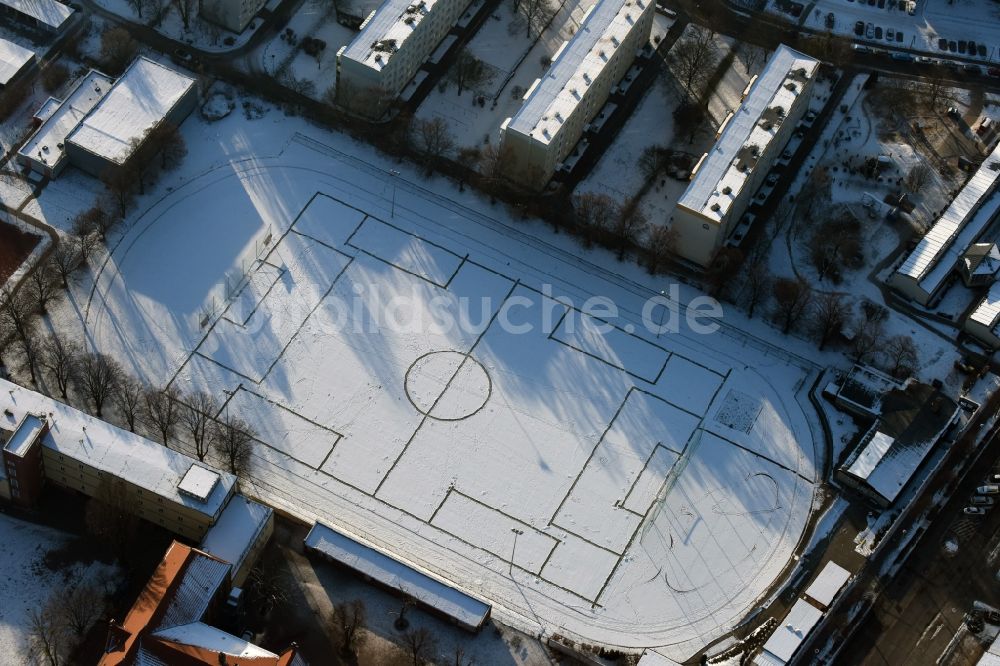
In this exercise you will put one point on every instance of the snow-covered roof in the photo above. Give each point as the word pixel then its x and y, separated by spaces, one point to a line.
pixel 201 635
pixel 871 455
pixel 987 312
pixel 787 638
pixel 136 104
pixel 47 144
pixel 237 529
pixel 198 482
pixel 46 12
pixel 123 454
pixel 45 111
pixel 12 59
pixel 828 583
pixel 932 246
pixel 554 97
pixel 865 387
pixel 464 609
pixel 383 33
pixel 725 169
pixel 28 430
pixel 190 600
pixel 950 254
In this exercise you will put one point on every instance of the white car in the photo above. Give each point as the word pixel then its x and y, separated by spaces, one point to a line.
pixel 979 500
pixel 974 511
pixel 988 489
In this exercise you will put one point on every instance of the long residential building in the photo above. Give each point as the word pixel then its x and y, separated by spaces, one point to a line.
pixel 394 41
pixel 585 69
pixel 750 139
pixel 50 442
pixel 983 323
pixel 923 273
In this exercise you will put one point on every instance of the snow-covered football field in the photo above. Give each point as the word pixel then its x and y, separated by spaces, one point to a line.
pixel 597 481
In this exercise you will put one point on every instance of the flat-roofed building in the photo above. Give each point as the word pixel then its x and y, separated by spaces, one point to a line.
pixel 240 535
pixel 146 96
pixel 83 453
pixel 233 15
pixel 724 180
pixel 14 60
pixel 45 150
pixel 49 15
pixel 22 459
pixel 558 106
pixel 925 270
pixel 983 323
pixel 394 41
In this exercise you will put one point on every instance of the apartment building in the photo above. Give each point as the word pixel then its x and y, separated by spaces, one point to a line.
pixel 924 272
pixel 233 15
pixel 394 41
pixel 55 443
pixel 584 71
pixel 749 140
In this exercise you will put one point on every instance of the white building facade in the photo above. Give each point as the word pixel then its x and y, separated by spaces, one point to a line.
pixel 584 71
pixel 750 139
pixel 394 42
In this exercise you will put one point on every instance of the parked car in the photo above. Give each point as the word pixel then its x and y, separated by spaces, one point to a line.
pixel 962 46
pixel 952 45
pixel 972 47
pixel 994 478
pixel 972 69
pixel 772 179
pixel 869 31
pixel 830 21
pixel 981 50
pixel 974 511
pixel 902 57
pixel 899 36
pixel 942 43
pixel 890 34
pixel 859 28
pixel 989 489
pixel 979 500
pixel 878 32
pixel 993 71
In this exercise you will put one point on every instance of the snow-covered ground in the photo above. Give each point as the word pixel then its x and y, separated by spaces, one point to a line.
pixel 954 20
pixel 515 61
pixel 27 582
pixel 658 483
pixel 199 33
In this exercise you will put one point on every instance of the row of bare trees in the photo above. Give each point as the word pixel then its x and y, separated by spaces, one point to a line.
pixel 59 625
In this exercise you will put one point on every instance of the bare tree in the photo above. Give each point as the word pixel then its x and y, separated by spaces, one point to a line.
pixel 85 234
pixel 167 142
pixel 756 285
pixel 186 9
pixel 122 184
pixel 43 285
pixel 46 634
pixel 630 226
pixel 830 315
pixel 594 212
pixel 866 337
pixel 468 71
pixel 99 376
pixel 432 139
pixel 161 411
pixel 792 299
pixel 61 360
pixel 196 418
pixel 347 622
pixel 917 178
pixel 662 248
pixel 532 15
pixel 689 119
pixel 693 59
pixel 836 243
pixel 233 441
pixel 751 54
pixel 16 309
pixel 420 642
pixel 64 260
pixel 130 397
pixel 81 608
pixel 469 158
pixel 118 49
pixel 901 355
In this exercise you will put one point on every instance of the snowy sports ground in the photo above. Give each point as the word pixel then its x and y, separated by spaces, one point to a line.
pixel 587 477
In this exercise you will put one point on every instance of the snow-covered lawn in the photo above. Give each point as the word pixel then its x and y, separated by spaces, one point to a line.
pixel 27 582
pixel 285 59
pixel 658 484
pixel 199 33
